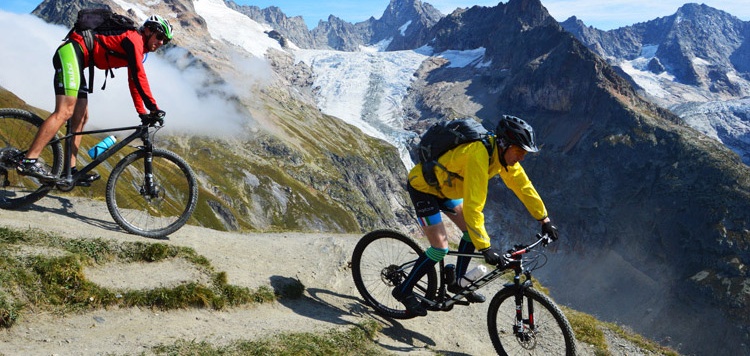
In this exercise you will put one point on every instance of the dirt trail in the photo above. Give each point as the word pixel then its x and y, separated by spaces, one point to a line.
pixel 319 261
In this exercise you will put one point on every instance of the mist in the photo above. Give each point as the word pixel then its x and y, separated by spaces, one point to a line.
pixel 193 102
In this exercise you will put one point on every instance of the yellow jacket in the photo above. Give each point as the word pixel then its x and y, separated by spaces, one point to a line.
pixel 471 161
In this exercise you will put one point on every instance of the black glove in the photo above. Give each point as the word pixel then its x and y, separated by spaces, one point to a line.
pixel 156 116
pixel 493 256
pixel 550 230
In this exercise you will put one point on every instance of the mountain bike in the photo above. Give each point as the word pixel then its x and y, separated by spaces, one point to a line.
pixel 151 192
pixel 520 319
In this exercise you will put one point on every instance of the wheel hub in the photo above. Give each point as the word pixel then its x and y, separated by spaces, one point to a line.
pixel 526 338
pixel 392 275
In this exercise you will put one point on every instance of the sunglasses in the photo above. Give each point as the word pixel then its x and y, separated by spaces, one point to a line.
pixel 159 33
pixel 161 37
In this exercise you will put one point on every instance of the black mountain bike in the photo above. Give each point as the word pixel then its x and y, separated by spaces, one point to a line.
pixel 151 192
pixel 520 319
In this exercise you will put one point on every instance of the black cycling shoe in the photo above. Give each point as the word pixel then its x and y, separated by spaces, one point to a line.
pixel 410 301
pixel 472 297
pixel 35 169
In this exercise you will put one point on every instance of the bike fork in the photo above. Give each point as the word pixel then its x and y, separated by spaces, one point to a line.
pixel 149 188
pixel 522 325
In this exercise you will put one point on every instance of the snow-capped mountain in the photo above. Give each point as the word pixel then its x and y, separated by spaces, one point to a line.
pixel 615 169
pixel 689 62
pixel 403 25
pixel 726 121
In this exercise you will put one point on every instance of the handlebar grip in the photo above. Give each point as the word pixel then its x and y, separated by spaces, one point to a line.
pixel 546 239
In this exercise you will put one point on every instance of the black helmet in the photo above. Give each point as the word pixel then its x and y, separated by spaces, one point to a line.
pixel 515 131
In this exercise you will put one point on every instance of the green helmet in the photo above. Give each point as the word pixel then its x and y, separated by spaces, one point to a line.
pixel 158 24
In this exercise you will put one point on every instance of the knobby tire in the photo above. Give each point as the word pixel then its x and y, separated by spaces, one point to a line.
pixel 380 261
pixel 17 130
pixel 552 334
pixel 153 216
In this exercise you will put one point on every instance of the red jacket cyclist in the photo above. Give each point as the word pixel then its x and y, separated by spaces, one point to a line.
pixel 71 92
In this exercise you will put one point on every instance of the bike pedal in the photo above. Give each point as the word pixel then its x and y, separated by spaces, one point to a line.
pixel 83 183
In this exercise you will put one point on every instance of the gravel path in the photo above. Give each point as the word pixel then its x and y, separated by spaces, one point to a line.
pixel 319 261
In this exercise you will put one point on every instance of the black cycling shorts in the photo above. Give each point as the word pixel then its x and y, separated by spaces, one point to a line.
pixel 428 206
pixel 69 79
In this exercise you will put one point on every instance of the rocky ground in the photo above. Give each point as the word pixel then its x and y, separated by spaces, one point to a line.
pixel 318 260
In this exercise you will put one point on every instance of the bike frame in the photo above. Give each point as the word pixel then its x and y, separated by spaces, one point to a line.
pixel 141 131
pixel 515 262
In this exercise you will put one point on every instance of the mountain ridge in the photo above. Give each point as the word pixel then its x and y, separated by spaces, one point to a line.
pixel 697 55
pixel 614 171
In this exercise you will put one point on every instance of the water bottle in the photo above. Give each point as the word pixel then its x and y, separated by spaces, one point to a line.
pixel 472 275
pixel 102 146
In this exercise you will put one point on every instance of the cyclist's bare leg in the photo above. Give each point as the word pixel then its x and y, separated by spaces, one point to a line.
pixel 77 123
pixel 437 235
pixel 64 108
pixel 458 217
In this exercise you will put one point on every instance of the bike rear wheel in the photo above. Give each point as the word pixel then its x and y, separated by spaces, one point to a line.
pixel 17 130
pixel 551 334
pixel 382 260
pixel 152 213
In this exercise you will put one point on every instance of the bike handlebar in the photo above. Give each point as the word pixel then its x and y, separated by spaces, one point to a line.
pixel 153 118
pixel 517 251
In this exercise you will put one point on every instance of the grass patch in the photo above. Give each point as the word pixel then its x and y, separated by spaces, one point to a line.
pixel 34 278
pixel 641 341
pixel 587 330
pixel 590 331
pixel 356 340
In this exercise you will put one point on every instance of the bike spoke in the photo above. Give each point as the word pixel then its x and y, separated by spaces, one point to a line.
pixel 152 210
pixel 546 337
pixel 17 130
pixel 382 260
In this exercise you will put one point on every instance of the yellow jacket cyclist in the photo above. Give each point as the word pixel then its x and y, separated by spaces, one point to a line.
pixel 462 194
pixel 471 161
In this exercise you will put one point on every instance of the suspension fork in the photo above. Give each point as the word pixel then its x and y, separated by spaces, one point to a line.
pixel 149 188
pixel 518 298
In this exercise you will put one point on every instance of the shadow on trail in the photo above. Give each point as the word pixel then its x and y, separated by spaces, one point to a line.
pixel 316 304
pixel 68 209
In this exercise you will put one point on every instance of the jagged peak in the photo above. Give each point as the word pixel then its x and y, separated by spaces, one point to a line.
pixel 332 19
pixel 697 9
pixel 400 9
pixel 573 22
pixel 532 12
pixel 400 5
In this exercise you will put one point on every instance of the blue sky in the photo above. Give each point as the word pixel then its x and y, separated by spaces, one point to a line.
pixel 602 14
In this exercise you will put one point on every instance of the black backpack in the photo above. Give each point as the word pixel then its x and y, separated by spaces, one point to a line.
pixel 100 21
pixel 445 136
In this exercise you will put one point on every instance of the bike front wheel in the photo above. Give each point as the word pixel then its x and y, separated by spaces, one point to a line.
pixel 17 130
pixel 381 261
pixel 152 211
pixel 543 329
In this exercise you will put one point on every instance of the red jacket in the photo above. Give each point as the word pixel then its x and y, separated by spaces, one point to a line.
pixel 130 44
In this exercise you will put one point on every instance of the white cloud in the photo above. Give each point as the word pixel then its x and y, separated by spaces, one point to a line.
pixel 191 105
